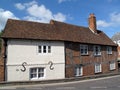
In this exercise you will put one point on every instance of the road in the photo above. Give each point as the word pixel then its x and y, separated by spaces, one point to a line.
pixel 108 83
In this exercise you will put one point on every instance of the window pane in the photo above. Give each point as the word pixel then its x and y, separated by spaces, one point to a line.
pixel 39 49
pixel 49 49
pixel 40 72
pixel 44 49
pixel 33 73
pixel 82 51
pixel 40 75
pixel 33 70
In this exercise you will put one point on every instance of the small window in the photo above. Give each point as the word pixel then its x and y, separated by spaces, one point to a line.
pixel 78 71
pixel 84 49
pixel 112 66
pixel 37 73
pixel 44 49
pixel 97 50
pixel 98 68
pixel 109 50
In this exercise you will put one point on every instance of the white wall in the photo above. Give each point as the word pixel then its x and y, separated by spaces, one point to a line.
pixel 19 51
pixel 117 42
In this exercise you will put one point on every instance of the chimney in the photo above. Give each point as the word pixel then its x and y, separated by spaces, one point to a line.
pixel 51 22
pixel 92 23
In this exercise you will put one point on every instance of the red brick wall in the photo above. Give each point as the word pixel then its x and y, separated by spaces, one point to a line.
pixel 73 57
pixel 118 52
pixel 2 74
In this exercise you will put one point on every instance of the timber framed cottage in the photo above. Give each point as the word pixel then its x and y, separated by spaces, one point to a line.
pixel 39 51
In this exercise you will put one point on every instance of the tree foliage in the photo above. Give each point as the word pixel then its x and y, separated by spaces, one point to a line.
pixel 116 36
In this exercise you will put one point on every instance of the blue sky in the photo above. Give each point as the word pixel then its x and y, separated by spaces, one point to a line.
pixel 75 12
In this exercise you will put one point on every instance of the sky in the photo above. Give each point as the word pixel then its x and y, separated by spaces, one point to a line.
pixel 74 12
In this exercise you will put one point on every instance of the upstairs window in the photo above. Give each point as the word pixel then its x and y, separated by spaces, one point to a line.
pixel 97 50
pixel 84 49
pixel 44 49
pixel 109 50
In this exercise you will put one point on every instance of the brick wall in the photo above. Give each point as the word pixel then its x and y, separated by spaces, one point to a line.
pixel 73 58
pixel 119 52
pixel 2 74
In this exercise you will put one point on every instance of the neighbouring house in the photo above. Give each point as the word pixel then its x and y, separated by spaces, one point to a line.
pixel 57 50
pixel 116 39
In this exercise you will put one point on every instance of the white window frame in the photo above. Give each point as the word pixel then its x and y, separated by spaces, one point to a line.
pixel 44 49
pixel 97 50
pixel 84 49
pixel 37 73
pixel 78 71
pixel 98 68
pixel 112 66
pixel 109 50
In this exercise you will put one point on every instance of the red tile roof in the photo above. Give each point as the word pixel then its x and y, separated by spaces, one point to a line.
pixel 57 31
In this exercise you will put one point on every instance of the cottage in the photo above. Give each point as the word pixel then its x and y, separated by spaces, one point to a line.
pixel 116 39
pixel 39 51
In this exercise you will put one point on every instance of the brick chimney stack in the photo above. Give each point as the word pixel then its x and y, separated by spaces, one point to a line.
pixel 92 23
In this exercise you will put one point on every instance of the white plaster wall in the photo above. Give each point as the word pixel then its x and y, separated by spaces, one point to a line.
pixel 19 51
pixel 118 42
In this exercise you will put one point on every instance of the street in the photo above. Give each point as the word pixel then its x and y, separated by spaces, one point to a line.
pixel 107 83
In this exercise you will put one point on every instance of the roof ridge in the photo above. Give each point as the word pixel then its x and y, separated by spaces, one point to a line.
pixel 55 21
pixel 26 21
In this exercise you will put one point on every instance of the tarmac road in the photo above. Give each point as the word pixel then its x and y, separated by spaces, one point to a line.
pixel 107 83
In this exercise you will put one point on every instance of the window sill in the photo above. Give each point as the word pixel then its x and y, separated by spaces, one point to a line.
pixel 98 72
pixel 84 54
pixel 78 75
pixel 109 54
pixel 112 69
pixel 97 55
pixel 44 53
pixel 37 78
